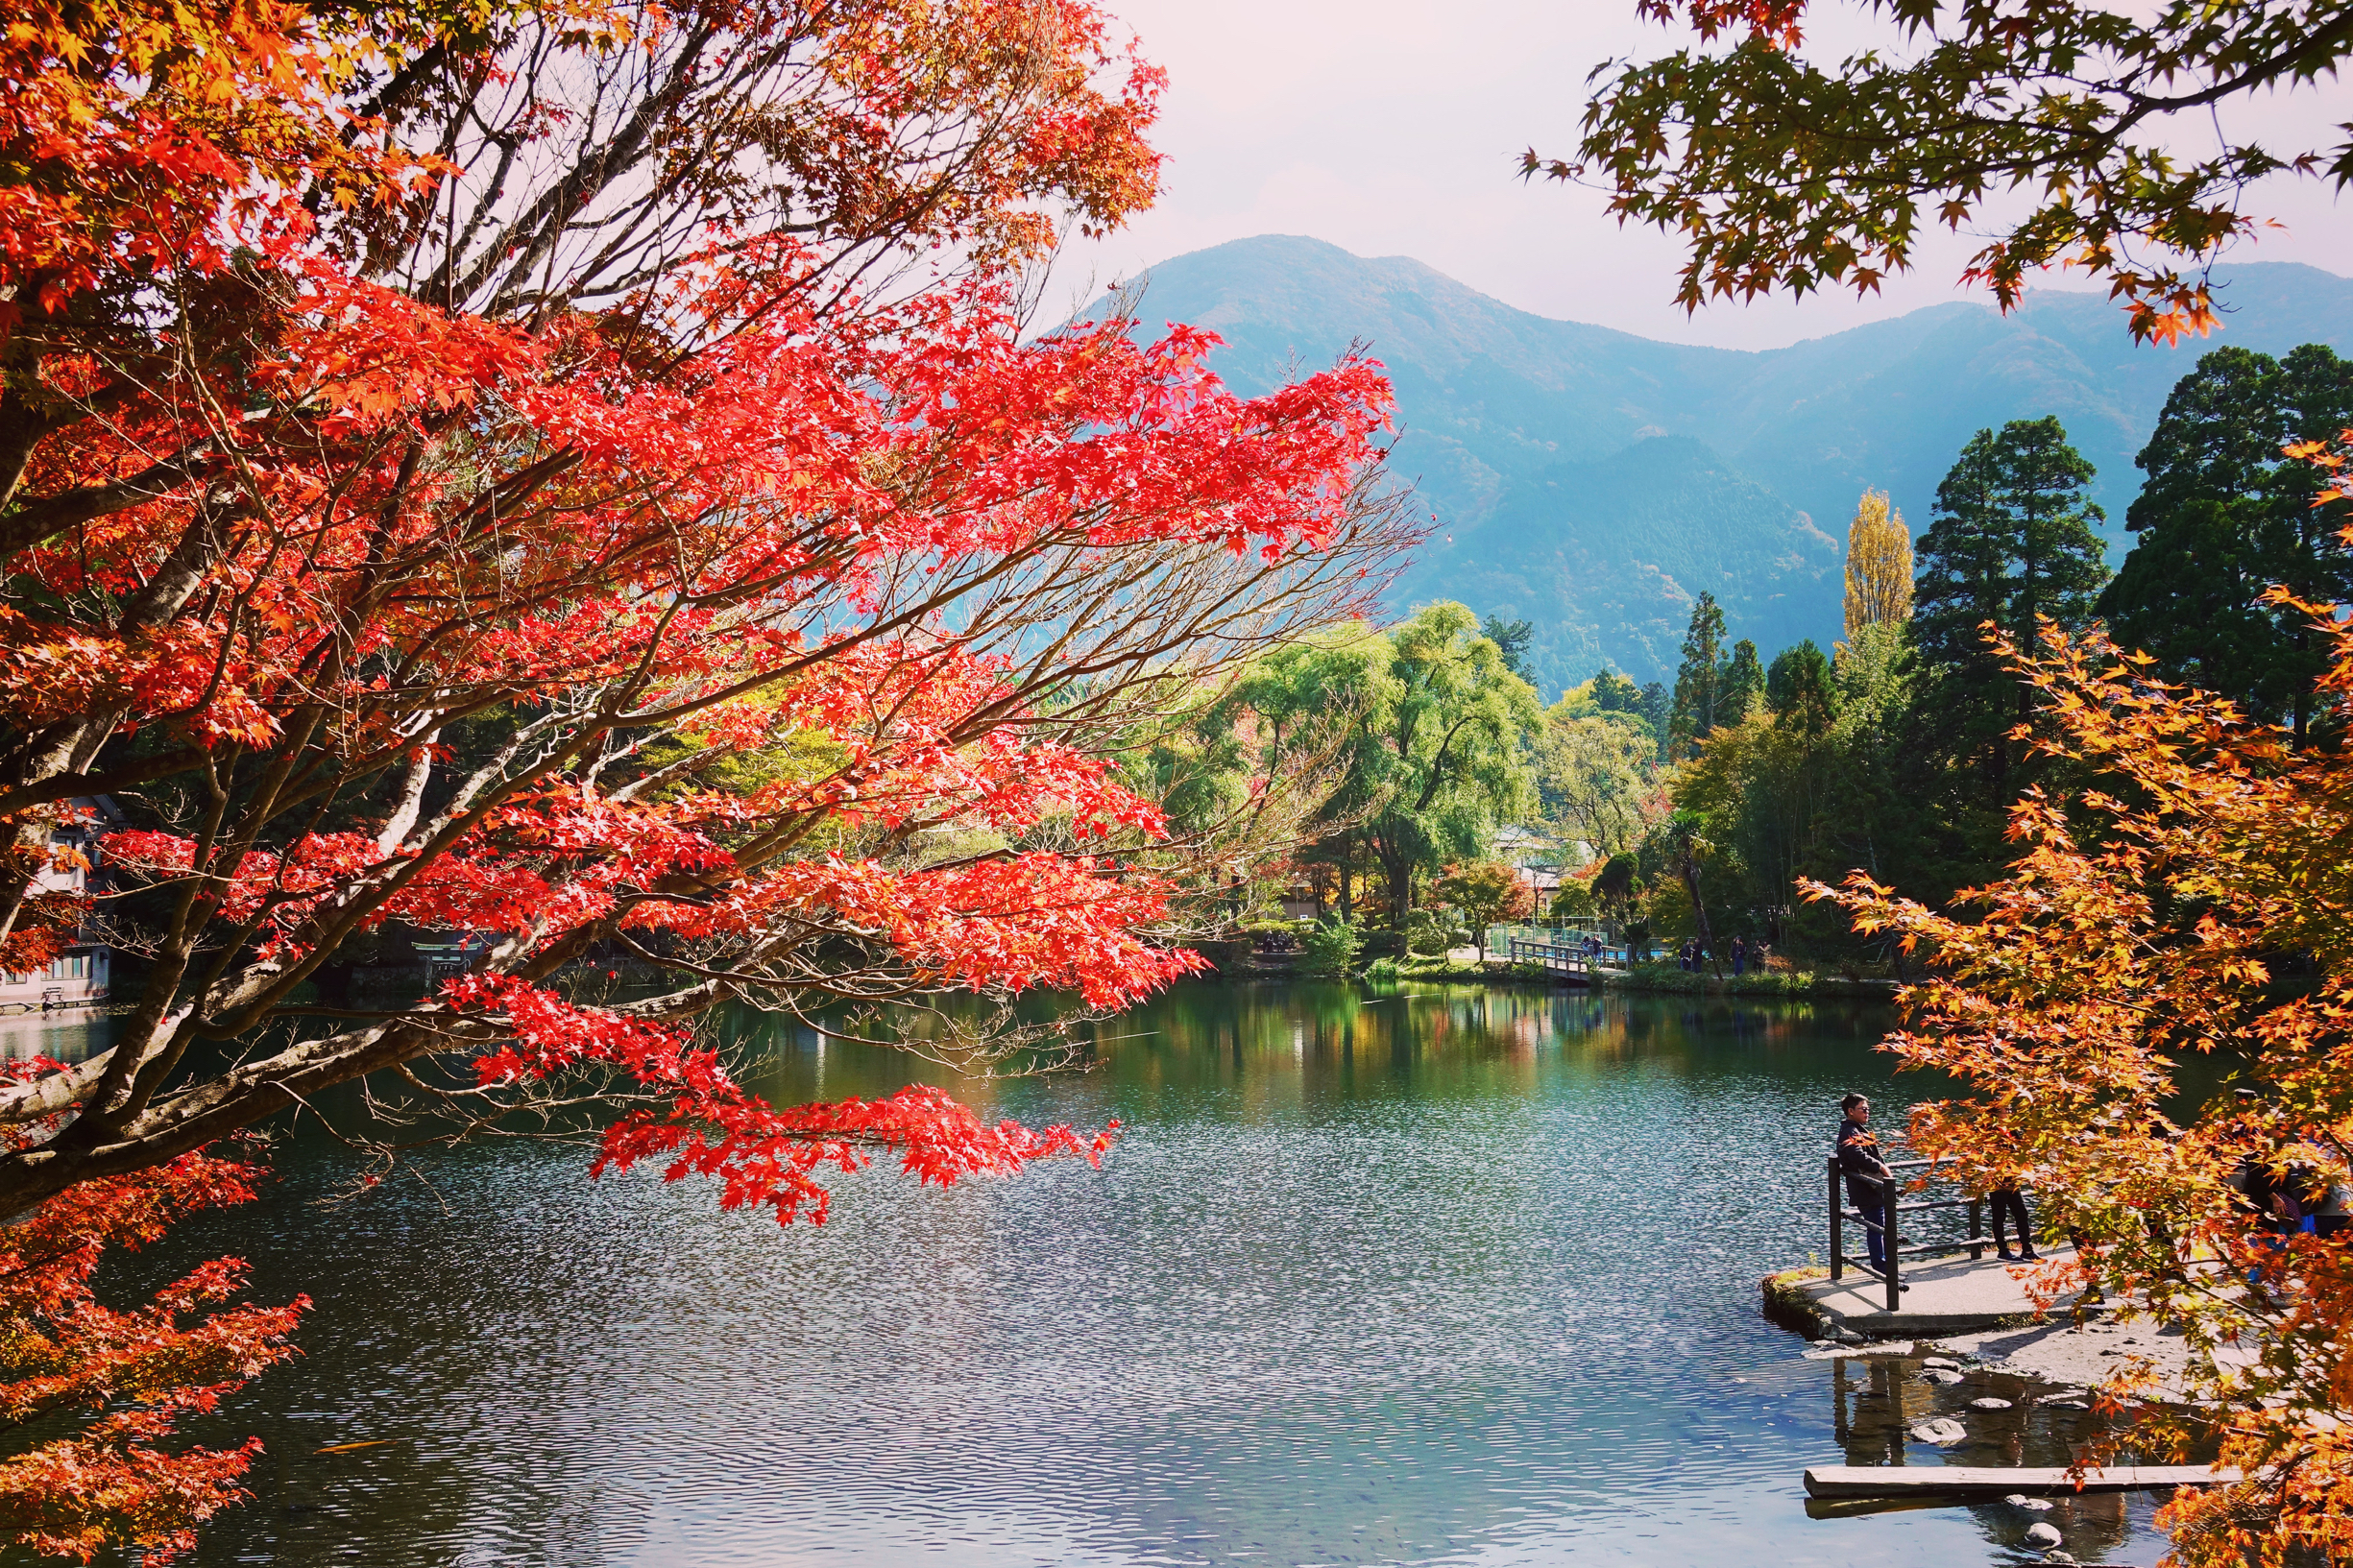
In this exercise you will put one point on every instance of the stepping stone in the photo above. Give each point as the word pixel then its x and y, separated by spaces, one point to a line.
pixel 1989 1404
pixel 1938 1374
pixel 1944 1431
pixel 2045 1536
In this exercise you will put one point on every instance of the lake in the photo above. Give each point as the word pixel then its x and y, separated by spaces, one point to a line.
pixel 1461 1276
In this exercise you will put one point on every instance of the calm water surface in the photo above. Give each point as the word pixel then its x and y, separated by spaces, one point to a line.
pixel 1460 1277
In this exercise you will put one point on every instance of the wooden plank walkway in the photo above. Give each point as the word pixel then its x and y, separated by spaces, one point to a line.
pixel 1971 1481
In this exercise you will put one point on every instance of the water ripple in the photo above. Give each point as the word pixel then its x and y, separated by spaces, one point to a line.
pixel 1464 1280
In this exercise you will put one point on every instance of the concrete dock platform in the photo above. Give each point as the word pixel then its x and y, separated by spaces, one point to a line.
pixel 1948 1295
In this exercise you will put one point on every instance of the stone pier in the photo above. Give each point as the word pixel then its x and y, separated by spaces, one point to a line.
pixel 1948 1295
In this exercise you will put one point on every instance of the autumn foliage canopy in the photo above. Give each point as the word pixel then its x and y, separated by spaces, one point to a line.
pixel 580 481
pixel 2192 898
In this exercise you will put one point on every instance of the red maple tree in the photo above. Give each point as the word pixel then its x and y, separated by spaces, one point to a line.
pixel 129 1374
pixel 578 481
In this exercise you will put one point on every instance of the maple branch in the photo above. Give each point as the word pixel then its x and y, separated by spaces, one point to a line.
pixel 26 523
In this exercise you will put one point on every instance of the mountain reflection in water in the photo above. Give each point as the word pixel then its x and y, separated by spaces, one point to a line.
pixel 1461 1276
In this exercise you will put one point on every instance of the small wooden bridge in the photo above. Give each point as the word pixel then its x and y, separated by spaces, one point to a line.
pixel 1560 962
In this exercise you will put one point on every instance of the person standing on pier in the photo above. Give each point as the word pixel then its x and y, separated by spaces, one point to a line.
pixel 1859 1156
pixel 2009 1203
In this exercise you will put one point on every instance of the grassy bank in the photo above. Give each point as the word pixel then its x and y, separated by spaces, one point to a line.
pixel 1793 982
pixel 1662 978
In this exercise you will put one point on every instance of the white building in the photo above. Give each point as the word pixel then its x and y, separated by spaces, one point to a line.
pixel 80 975
pixel 1540 860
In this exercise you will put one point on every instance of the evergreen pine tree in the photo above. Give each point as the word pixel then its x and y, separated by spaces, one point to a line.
pixel 1657 708
pixel 2014 537
pixel 2223 515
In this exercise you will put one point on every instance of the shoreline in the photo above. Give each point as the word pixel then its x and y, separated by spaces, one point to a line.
pixel 1658 979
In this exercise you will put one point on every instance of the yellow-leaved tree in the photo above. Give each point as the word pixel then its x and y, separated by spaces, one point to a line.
pixel 2192 895
pixel 1879 566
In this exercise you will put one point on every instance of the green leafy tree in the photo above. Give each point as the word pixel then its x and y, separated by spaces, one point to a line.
pixel 1574 901
pixel 1613 693
pixel 1683 839
pixel 1593 772
pixel 1618 883
pixel 2223 517
pixel 1781 174
pixel 1657 711
pixel 1874 819
pixel 1426 738
pixel 1326 703
pixel 1699 680
pixel 1329 949
pixel 2014 537
pixel 1484 891
pixel 1801 692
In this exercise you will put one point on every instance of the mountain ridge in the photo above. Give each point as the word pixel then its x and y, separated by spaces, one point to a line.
pixel 1499 409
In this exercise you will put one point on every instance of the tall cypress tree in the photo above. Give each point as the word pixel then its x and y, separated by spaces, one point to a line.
pixel 2014 537
pixel 1744 683
pixel 2223 515
pixel 1699 680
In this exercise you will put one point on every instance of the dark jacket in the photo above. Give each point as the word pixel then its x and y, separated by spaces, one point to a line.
pixel 1859 1155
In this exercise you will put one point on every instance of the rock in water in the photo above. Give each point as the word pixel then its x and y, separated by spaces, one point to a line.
pixel 2045 1536
pixel 1944 1361
pixel 2016 1499
pixel 1944 1431
pixel 1989 1404
pixel 2034 1504
pixel 1938 1374
pixel 2054 1555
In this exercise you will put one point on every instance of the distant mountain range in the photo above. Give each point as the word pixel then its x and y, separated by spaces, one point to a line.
pixel 1593 482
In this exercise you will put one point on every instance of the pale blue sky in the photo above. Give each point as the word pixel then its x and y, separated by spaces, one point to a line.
pixel 1390 126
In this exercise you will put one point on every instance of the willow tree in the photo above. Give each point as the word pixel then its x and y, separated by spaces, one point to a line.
pixel 1593 768
pixel 1447 760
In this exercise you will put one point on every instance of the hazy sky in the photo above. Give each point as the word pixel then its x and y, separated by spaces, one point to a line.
pixel 1392 127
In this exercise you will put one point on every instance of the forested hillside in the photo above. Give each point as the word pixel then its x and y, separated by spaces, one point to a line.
pixel 1534 440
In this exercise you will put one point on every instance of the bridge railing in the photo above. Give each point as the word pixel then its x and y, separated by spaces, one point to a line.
pixel 1570 935
pixel 1896 1203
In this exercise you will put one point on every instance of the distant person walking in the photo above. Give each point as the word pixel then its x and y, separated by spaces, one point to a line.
pixel 1859 1162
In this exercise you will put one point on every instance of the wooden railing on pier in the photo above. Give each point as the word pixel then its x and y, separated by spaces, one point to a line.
pixel 1890 1190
